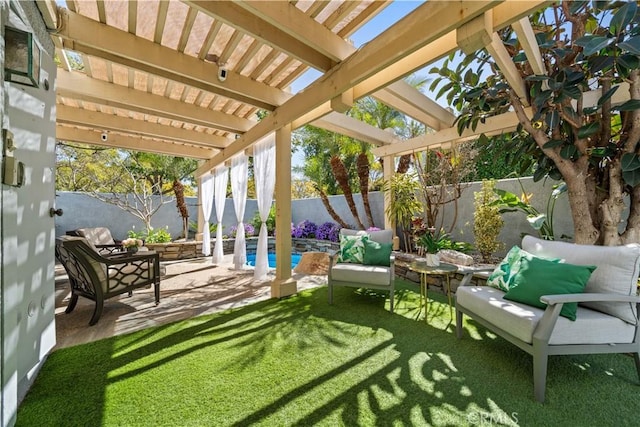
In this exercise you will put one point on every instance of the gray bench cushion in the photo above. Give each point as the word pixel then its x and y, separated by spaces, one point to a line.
pixel 617 272
pixel 520 320
pixel 358 273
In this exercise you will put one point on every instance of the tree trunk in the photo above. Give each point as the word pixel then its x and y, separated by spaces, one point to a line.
pixel 178 190
pixel 329 208
pixel 404 163
pixel 363 175
pixel 340 173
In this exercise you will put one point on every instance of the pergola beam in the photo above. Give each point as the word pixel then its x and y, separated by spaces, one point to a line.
pixel 495 125
pixel 104 121
pixel 238 16
pixel 527 39
pixel 87 36
pixel 128 142
pixel 306 30
pixel 348 126
pixel 79 86
pixel 401 49
pixel 404 97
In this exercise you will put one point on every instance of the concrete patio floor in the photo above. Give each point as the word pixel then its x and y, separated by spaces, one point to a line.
pixel 189 288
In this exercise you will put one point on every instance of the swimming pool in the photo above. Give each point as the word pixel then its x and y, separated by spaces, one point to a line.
pixel 295 259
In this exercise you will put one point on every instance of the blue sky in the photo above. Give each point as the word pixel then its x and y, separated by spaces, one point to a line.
pixel 386 18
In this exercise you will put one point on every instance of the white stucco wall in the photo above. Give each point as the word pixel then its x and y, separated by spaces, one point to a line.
pixel 27 257
pixel 82 210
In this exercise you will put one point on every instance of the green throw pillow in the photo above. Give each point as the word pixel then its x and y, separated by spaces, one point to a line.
pixel 377 253
pixel 502 277
pixel 538 277
pixel 352 248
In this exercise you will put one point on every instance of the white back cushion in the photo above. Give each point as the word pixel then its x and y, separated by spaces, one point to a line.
pixel 617 272
pixel 380 236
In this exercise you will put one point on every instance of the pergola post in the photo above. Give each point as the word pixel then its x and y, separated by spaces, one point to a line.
pixel 200 215
pixel 283 285
pixel 389 223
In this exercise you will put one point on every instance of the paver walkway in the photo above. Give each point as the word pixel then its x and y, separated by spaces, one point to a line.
pixel 189 288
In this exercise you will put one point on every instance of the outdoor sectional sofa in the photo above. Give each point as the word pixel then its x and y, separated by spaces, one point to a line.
pixel 607 312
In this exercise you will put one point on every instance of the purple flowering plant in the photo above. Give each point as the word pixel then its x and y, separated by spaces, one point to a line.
pixel 305 229
pixel 249 230
pixel 328 231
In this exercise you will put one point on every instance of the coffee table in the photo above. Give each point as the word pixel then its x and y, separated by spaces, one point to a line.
pixel 424 270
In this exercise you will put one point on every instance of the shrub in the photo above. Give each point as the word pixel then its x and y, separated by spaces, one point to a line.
pixel 160 235
pixel 271 221
pixel 487 220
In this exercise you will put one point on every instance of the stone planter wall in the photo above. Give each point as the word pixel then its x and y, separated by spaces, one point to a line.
pixel 176 250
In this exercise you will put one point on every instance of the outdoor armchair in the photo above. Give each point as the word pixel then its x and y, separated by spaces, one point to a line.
pixel 375 271
pixel 98 277
pixel 100 238
pixel 606 316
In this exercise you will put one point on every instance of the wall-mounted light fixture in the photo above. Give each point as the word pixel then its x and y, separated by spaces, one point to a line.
pixel 22 57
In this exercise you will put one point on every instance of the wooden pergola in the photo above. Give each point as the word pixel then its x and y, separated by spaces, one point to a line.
pixel 186 78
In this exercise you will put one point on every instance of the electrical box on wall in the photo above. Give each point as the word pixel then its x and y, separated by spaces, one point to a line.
pixel 12 169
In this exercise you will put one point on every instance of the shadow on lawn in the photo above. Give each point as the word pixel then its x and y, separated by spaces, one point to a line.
pixel 351 363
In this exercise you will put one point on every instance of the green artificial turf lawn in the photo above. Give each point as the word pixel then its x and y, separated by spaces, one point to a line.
pixel 301 361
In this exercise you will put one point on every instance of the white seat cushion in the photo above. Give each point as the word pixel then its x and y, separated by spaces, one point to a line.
pixel 358 273
pixel 521 320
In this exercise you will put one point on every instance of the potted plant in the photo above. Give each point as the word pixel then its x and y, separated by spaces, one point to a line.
pixel 429 244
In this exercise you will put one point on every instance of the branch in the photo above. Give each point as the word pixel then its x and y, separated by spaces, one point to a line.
pixel 633 116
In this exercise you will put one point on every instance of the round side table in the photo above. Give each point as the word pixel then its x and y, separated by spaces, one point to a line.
pixel 424 270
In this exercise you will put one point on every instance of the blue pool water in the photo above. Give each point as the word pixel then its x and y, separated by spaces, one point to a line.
pixel 295 259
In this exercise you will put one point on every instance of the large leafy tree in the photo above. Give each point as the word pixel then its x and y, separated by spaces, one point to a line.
pixel 589 51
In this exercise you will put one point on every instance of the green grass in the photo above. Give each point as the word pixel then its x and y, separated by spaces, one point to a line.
pixel 302 362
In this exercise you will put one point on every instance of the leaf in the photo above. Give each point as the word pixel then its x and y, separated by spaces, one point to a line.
pixel 632 45
pixel 553 143
pixel 538 174
pixel 607 95
pixel 588 130
pixel 630 162
pixel 572 92
pixel 596 44
pixel 537 221
pixel 575 6
pixel 626 63
pixel 555 174
pixel 600 62
pixel 552 119
pixel 630 105
pixel 631 178
pixel 623 17
pixel 573 76
pixel 568 152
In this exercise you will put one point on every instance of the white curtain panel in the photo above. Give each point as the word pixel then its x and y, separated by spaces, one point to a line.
pixel 221 179
pixel 239 178
pixel 206 200
pixel 264 172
